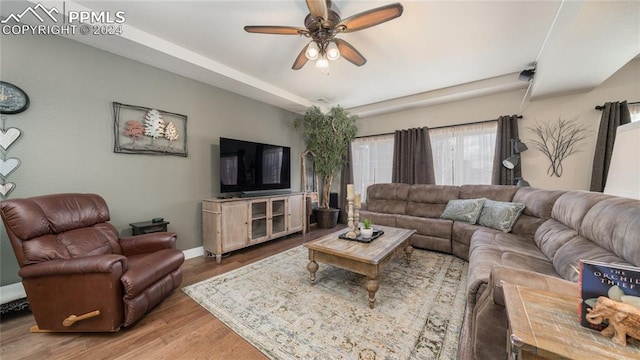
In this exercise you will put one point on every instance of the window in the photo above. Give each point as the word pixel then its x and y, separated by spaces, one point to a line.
pixel 372 162
pixel 463 154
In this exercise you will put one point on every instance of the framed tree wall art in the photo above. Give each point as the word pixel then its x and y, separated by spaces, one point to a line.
pixel 142 130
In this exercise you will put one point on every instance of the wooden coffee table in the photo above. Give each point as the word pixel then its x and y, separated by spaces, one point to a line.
pixel 363 258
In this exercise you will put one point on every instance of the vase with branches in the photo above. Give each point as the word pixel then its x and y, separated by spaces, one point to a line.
pixel 557 140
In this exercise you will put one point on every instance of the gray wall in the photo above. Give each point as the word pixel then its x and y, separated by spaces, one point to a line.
pixel 67 141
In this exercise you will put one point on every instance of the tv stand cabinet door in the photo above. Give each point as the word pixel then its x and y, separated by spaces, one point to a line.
pixel 235 225
pixel 296 212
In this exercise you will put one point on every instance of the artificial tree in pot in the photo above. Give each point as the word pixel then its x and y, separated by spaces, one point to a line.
pixel 328 136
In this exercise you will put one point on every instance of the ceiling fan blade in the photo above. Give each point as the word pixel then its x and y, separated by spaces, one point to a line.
pixel 301 59
pixel 350 53
pixel 370 18
pixel 318 9
pixel 277 30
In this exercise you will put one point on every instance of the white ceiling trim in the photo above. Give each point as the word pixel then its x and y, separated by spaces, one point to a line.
pixel 474 89
pixel 189 63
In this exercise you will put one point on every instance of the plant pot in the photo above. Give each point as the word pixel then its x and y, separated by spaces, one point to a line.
pixel 327 218
pixel 366 233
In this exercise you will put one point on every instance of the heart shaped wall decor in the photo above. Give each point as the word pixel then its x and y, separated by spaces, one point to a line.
pixel 6 189
pixel 8 166
pixel 7 138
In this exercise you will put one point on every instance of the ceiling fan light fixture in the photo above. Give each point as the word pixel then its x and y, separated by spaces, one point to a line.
pixel 322 24
pixel 313 51
pixel 333 53
pixel 322 62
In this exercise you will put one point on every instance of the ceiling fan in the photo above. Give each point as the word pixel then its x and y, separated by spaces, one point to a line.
pixel 322 24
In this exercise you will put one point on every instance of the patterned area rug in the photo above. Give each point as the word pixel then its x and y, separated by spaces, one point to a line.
pixel 272 304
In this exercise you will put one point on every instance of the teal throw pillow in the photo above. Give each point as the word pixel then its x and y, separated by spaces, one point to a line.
pixel 467 210
pixel 500 215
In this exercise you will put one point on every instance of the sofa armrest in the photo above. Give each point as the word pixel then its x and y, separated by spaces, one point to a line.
pixel 147 243
pixel 529 279
pixel 84 265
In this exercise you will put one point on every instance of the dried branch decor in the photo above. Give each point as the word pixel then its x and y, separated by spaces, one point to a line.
pixel 558 140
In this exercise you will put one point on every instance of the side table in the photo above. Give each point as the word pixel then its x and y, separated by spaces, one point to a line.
pixel 146 227
pixel 544 325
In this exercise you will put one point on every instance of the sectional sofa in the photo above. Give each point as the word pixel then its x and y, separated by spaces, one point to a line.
pixel 542 246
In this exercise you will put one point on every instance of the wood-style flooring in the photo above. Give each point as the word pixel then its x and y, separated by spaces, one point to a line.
pixel 178 328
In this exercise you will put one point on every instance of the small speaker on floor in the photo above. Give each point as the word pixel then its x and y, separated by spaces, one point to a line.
pixel 333 200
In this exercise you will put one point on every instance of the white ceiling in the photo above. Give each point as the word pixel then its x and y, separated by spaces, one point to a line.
pixel 436 51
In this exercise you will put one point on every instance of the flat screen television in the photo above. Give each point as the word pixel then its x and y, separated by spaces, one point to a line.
pixel 247 166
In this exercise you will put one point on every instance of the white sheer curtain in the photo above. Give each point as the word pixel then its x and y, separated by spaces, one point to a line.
pixel 463 154
pixel 372 162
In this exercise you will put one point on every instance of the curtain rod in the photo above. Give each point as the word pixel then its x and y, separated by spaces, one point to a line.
pixel 440 127
pixel 601 107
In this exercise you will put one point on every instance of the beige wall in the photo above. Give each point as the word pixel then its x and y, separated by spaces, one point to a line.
pixel 67 141
pixel 623 85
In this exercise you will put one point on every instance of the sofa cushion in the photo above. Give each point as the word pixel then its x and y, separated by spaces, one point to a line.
pixel 539 203
pixel 530 263
pixel 567 258
pixel 552 235
pixel 387 198
pixel 493 192
pixel 430 200
pixel 572 206
pixel 378 218
pixel 500 215
pixel 426 226
pixel 467 210
pixel 614 224
pixel 493 248
pixel 431 243
pixel 505 242
pixel 526 225
pixel 461 237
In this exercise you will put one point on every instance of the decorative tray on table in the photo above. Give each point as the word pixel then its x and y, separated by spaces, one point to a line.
pixel 376 234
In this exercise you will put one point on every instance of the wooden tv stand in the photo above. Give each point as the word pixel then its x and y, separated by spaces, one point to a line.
pixel 236 223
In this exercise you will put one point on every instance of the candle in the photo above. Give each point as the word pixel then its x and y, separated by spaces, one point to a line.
pixel 350 191
pixel 357 201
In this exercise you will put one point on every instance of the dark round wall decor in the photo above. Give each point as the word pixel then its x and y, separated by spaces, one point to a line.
pixel 13 100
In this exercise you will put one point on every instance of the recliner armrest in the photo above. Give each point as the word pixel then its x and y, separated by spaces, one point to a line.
pixel 147 243
pixel 529 279
pixel 88 264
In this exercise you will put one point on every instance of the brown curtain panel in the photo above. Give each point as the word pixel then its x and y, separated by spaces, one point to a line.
pixel 412 157
pixel 507 130
pixel 614 114
pixel 346 177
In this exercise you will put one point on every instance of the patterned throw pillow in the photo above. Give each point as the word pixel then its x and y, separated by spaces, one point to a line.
pixel 467 210
pixel 500 215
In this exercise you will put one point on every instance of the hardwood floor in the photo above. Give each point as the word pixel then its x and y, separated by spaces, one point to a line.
pixel 178 328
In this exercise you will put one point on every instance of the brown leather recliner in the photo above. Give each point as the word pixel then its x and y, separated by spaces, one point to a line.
pixel 79 275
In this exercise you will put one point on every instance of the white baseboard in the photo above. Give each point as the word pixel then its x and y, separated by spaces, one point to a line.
pixel 15 291
pixel 11 292
pixel 193 253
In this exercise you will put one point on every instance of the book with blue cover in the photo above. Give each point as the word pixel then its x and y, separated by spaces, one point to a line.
pixel 615 281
